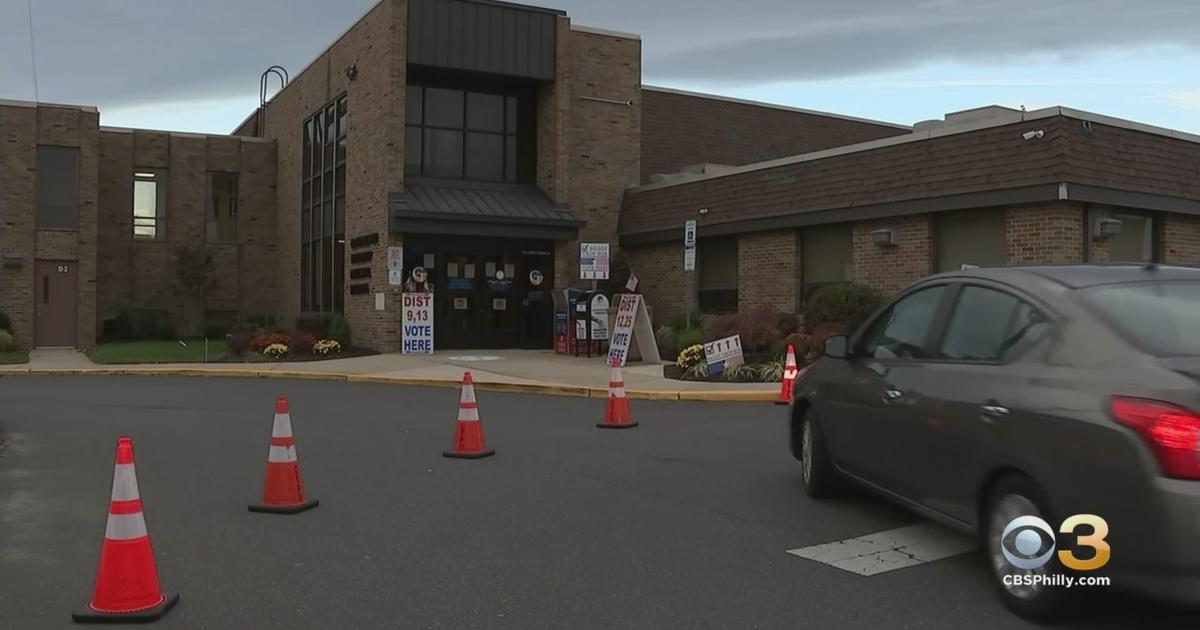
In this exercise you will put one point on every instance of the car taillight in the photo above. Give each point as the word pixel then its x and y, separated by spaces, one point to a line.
pixel 1172 431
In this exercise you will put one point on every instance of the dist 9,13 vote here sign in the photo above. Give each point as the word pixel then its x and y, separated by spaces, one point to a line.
pixel 418 323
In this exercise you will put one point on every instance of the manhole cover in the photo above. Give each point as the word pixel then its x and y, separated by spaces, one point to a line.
pixel 474 357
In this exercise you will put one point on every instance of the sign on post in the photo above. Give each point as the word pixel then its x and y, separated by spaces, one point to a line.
pixel 418 323
pixel 395 265
pixel 593 261
pixel 689 245
pixel 632 319
pixel 599 317
pixel 723 353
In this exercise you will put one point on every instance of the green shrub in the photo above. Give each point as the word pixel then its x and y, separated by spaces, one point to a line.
pixel 6 341
pixel 689 337
pixel 255 323
pixel 339 330
pixel 680 321
pixel 216 329
pixel 315 323
pixel 846 304
pixel 119 328
pixel 665 338
pixel 164 328
pixel 5 322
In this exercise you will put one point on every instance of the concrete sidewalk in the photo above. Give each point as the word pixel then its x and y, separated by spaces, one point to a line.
pixel 540 371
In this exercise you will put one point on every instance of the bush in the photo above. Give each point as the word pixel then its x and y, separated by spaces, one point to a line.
pixel 253 323
pixel 6 341
pixel 339 330
pixel 846 304
pixel 259 343
pixel 757 327
pixel 5 322
pixel 164 328
pixel 119 328
pixel 216 329
pixel 236 344
pixel 326 347
pixel 666 340
pixel 680 321
pixel 276 351
pixel 315 323
pixel 301 341
pixel 689 337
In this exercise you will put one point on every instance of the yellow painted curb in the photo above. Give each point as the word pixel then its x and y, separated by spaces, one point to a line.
pixel 729 396
pixel 523 388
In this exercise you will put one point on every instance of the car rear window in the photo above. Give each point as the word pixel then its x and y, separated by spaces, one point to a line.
pixel 1162 318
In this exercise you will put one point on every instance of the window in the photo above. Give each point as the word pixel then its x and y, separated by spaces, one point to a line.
pixel 902 331
pixel 149 204
pixel 976 238
pixel 990 325
pixel 1159 317
pixel 58 188
pixel 323 210
pixel 827 256
pixel 717 265
pixel 460 135
pixel 1130 239
pixel 222 211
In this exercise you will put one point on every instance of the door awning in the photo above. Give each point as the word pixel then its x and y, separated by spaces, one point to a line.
pixel 436 206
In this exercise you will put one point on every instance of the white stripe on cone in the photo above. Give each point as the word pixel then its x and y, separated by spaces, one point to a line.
pixel 617 392
pixel 281 454
pixel 124 486
pixel 283 426
pixel 468 415
pixel 468 394
pixel 125 527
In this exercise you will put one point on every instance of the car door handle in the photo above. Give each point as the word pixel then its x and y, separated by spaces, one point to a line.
pixel 994 411
pixel 892 395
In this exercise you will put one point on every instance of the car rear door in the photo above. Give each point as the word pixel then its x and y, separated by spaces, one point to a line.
pixel 863 414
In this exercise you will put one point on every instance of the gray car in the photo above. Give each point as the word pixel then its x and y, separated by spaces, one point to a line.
pixel 980 396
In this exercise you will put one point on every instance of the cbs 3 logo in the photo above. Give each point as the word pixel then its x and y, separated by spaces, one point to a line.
pixel 1028 542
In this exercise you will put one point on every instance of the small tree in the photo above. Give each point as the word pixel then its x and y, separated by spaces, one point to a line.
pixel 193 266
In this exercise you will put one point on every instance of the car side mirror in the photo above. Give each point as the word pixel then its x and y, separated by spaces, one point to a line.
pixel 837 347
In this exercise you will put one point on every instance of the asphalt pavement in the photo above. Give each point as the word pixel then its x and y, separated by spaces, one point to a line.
pixel 683 522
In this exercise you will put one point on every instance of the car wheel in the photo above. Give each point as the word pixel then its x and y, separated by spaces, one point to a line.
pixel 1011 498
pixel 820 479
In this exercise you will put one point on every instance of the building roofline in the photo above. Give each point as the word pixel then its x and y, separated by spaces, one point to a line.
pixel 18 103
pixel 182 134
pixel 786 108
pixel 604 31
pixel 310 63
pixel 945 129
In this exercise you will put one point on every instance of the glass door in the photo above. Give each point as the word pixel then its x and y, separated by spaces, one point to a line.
pixel 461 304
pixel 500 306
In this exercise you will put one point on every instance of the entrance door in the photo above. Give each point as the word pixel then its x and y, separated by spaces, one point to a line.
pixel 500 306
pixel 56 291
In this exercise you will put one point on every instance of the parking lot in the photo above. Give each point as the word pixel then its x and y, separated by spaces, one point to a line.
pixel 683 522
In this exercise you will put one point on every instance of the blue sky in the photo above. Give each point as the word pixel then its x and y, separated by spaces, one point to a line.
pixel 173 64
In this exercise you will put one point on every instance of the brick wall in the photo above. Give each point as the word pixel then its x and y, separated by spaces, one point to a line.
pixel 768 270
pixel 142 274
pixel 1180 239
pixel 891 268
pixel 602 148
pixel 22 128
pixel 376 45
pixel 659 269
pixel 1044 233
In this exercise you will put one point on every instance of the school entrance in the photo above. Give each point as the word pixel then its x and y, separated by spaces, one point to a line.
pixel 488 292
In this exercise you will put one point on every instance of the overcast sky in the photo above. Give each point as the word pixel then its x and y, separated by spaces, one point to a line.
pixel 194 65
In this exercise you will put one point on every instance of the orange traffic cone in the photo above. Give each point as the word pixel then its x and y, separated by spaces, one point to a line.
pixel 283 491
pixel 616 412
pixel 468 431
pixel 127 588
pixel 789 378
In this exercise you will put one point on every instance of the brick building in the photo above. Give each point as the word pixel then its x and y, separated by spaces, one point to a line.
pixel 986 187
pixel 476 143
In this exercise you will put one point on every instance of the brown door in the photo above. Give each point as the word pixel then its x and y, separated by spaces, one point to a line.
pixel 56 291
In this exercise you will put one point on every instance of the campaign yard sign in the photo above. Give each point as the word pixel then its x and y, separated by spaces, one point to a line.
pixel 418 323
pixel 723 353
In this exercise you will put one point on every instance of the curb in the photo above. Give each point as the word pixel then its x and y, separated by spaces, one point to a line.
pixel 574 391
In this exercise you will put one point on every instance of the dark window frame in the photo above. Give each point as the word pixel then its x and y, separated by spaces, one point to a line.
pixel 1157 222
pixel 717 300
pixel 322 212
pixel 212 224
pixel 933 333
pixel 509 134
pixel 42 212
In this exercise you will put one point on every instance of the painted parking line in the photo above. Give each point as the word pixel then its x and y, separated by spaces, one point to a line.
pixel 890 550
